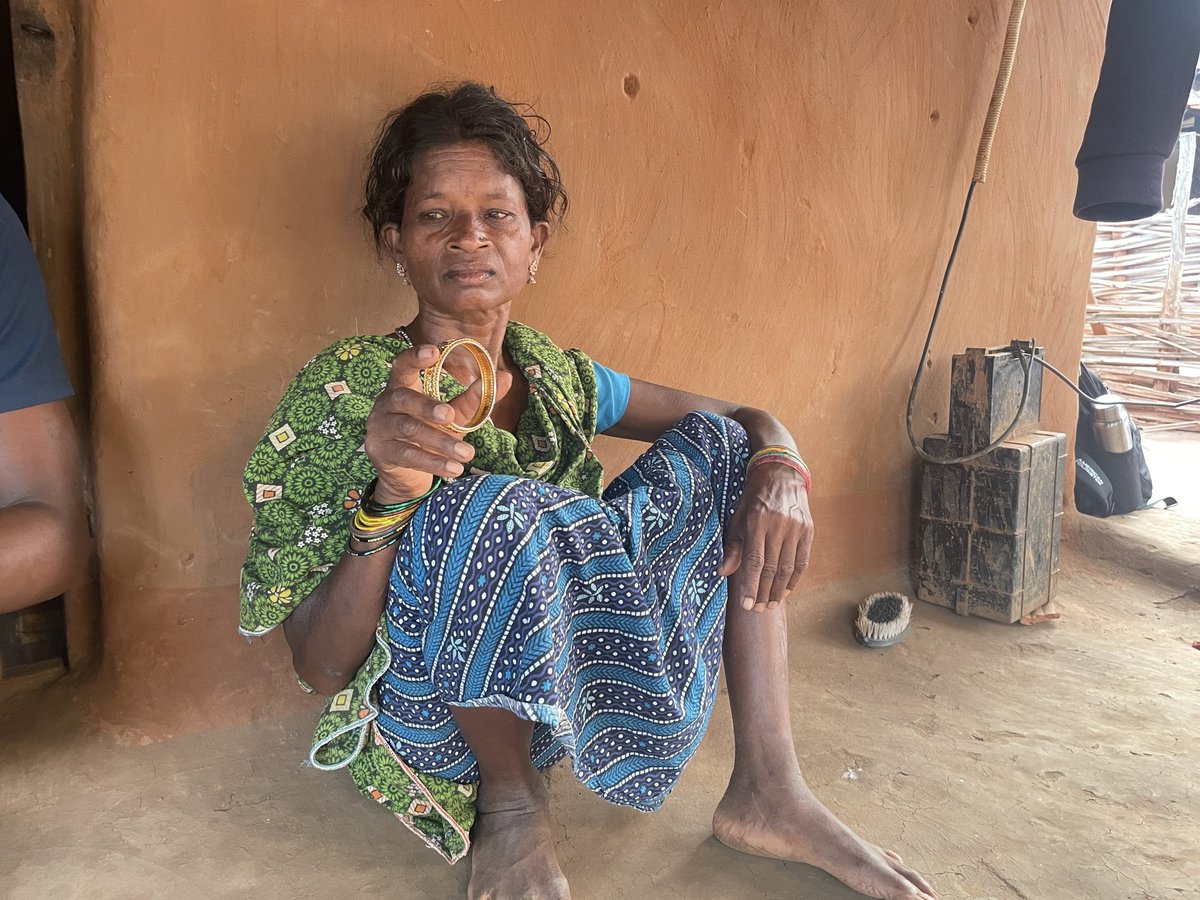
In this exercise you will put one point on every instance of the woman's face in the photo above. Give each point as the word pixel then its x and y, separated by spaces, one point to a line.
pixel 466 239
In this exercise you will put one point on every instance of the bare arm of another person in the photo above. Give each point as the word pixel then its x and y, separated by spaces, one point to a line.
pixel 44 542
pixel 769 537
pixel 332 631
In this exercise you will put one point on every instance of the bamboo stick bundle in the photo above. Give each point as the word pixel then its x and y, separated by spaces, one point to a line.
pixel 1142 338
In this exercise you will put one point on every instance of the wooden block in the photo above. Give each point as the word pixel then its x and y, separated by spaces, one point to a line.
pixel 985 394
pixel 990 528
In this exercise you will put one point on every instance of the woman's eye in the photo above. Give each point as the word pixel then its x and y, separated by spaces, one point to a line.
pixel 498 214
pixel 432 215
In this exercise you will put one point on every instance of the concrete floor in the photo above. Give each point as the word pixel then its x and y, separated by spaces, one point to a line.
pixel 1052 761
pixel 1173 460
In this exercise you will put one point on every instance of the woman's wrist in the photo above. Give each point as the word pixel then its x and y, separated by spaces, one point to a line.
pixel 781 455
pixel 377 524
pixel 387 495
pixel 771 443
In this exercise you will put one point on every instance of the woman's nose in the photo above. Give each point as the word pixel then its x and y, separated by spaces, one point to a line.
pixel 467 232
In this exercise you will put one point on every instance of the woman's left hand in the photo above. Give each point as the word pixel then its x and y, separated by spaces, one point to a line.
pixel 768 539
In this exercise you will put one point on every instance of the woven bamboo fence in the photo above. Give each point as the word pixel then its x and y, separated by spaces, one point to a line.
pixel 1142 331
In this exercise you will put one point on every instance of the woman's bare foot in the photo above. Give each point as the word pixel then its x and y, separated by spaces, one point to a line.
pixel 785 821
pixel 512 847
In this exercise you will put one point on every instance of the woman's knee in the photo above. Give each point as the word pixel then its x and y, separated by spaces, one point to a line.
pixel 711 427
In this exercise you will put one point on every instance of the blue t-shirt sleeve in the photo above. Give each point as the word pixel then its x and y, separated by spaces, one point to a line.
pixel 612 396
pixel 31 369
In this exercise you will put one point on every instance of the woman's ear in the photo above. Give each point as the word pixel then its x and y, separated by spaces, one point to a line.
pixel 389 236
pixel 541 234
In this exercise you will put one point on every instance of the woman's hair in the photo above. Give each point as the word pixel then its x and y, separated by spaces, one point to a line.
pixel 449 115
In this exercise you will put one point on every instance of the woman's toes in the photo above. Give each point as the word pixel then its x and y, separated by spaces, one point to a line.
pixel 922 887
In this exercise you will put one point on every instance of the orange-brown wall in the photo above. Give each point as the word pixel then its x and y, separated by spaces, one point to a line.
pixel 763 196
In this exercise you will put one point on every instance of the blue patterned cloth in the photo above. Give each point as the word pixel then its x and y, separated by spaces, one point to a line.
pixel 601 621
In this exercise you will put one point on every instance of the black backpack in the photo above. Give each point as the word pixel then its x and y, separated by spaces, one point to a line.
pixel 1107 483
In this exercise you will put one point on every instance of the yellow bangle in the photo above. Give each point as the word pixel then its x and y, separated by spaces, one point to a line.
pixel 365 522
pixel 431 381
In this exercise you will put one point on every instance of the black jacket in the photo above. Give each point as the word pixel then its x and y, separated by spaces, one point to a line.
pixel 1150 58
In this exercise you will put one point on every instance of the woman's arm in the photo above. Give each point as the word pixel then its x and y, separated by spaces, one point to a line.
pixel 332 631
pixel 653 408
pixel 769 537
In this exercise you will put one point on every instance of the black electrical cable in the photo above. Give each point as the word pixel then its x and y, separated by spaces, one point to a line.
pixel 1091 401
pixel 933 322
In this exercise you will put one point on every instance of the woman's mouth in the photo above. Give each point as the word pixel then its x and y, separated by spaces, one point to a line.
pixel 469 274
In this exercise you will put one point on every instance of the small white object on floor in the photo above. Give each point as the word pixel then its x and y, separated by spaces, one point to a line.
pixel 883 619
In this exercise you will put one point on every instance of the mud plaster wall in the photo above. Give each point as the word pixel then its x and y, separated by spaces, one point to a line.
pixel 763 197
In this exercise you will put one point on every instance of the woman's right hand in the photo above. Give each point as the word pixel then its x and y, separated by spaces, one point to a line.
pixel 408 441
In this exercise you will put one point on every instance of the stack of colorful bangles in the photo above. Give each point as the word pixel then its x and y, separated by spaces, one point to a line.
pixel 379 525
pixel 777 453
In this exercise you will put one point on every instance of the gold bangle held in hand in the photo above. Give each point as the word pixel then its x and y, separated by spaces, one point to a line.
pixel 431 381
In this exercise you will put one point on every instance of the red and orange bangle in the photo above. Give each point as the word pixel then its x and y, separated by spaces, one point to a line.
pixel 777 453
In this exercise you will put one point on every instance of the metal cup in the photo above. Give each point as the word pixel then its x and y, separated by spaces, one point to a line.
pixel 1111 423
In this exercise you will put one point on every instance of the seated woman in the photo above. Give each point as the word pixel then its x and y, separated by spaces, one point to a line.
pixel 473 605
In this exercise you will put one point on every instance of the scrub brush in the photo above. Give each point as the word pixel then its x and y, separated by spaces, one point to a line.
pixel 883 619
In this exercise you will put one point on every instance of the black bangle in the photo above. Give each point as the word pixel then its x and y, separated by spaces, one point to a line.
pixel 353 552
pixel 382 537
pixel 386 509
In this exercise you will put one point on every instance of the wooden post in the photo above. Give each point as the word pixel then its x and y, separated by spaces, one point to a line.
pixel 1172 294
pixel 46 60
pixel 1172 305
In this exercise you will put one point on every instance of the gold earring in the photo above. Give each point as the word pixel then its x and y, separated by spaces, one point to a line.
pixel 402 272
pixel 533 272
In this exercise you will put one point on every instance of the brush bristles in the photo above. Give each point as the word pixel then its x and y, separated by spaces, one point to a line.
pixel 883 616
